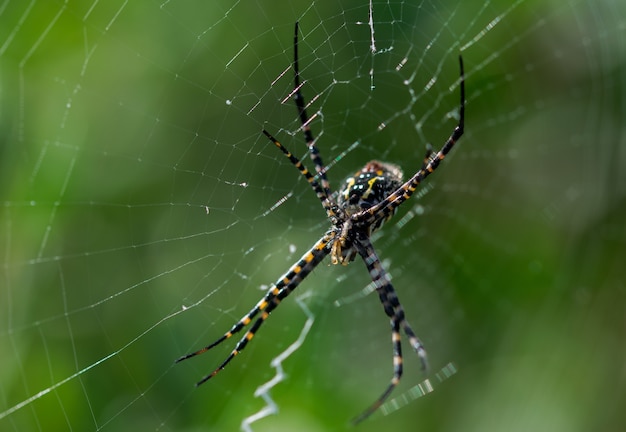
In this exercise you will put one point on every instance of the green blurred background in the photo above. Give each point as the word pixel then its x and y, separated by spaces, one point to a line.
pixel 136 192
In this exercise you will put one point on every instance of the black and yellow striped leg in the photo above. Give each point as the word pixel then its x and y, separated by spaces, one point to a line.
pixel 389 205
pixel 321 194
pixel 304 119
pixel 395 312
pixel 281 289
pixel 243 322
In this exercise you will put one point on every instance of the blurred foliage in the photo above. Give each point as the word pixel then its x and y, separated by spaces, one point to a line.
pixel 133 177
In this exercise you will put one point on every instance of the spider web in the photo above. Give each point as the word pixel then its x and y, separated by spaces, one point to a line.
pixel 143 213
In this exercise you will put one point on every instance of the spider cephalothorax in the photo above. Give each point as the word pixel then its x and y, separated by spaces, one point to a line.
pixel 368 199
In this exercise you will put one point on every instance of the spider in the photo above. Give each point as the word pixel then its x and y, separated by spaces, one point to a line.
pixel 368 199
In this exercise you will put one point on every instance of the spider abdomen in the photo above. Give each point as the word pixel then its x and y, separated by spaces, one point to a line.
pixel 369 186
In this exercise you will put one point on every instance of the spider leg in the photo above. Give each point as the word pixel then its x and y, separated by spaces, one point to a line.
pixel 281 289
pixel 243 322
pixel 304 119
pixel 321 194
pixel 388 206
pixel 395 312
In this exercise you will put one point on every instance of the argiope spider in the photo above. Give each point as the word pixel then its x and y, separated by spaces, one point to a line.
pixel 368 199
